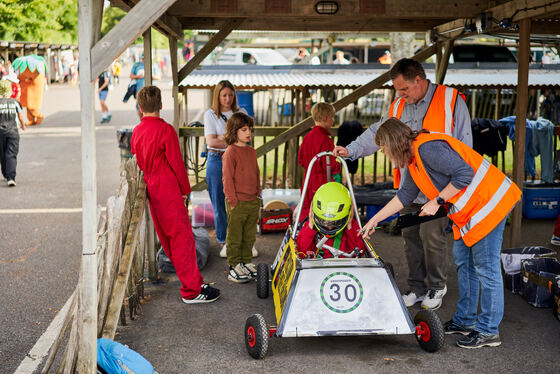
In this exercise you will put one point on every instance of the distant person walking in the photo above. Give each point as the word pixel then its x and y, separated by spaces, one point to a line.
pixel 103 91
pixel 137 73
pixel 9 136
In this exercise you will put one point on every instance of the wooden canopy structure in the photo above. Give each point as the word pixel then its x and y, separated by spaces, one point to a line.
pixel 444 21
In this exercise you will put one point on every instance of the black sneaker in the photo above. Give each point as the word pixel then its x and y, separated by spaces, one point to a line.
pixel 238 274
pixel 207 294
pixel 478 340
pixel 451 327
pixel 250 269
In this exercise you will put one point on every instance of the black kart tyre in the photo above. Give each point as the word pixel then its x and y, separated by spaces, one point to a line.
pixel 256 336
pixel 429 330
pixel 262 281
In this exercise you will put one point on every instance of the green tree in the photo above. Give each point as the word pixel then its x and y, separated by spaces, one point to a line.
pixel 48 21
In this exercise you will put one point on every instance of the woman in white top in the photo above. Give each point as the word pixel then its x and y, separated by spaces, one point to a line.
pixel 224 104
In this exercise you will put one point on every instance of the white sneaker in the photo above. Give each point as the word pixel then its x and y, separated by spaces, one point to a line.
pixel 238 274
pixel 434 298
pixel 254 252
pixel 223 252
pixel 12 183
pixel 410 298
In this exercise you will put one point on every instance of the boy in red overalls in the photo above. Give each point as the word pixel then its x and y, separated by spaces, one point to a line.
pixel 156 146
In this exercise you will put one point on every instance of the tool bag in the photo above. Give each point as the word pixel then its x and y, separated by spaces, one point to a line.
pixel 511 264
pixel 537 274
pixel 202 243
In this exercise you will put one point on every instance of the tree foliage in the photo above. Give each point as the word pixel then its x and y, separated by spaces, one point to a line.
pixel 47 21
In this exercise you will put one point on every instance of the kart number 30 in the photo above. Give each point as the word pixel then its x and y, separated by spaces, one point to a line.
pixel 341 292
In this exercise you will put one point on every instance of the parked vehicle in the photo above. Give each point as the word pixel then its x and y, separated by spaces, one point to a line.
pixel 247 56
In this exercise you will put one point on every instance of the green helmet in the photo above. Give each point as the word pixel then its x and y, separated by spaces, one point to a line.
pixel 331 207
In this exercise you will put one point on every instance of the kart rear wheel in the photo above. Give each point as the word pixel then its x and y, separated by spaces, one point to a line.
pixel 262 281
pixel 256 336
pixel 429 330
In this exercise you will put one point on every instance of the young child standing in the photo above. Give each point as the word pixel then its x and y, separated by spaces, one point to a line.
pixel 156 146
pixel 242 188
pixel 9 136
pixel 316 141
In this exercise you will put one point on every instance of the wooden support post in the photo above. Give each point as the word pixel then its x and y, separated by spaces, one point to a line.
pixel 185 103
pixel 520 120
pixel 175 77
pixel 151 246
pixel 209 47
pixel 444 62
pixel 87 309
pixel 148 56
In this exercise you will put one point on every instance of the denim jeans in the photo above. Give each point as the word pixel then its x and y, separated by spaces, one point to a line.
pixel 479 272
pixel 216 192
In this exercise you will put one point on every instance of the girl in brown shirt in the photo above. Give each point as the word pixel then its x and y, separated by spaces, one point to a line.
pixel 242 188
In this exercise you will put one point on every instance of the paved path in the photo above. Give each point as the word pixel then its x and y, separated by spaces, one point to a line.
pixel 40 219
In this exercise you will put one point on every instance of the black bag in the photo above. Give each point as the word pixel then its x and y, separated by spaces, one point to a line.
pixel 347 133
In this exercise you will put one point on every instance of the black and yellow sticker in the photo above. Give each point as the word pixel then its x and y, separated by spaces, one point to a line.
pixel 282 279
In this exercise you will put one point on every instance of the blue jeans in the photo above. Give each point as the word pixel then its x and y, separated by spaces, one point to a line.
pixel 216 192
pixel 478 271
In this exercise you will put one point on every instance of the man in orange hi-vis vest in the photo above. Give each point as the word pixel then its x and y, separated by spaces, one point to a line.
pixel 420 104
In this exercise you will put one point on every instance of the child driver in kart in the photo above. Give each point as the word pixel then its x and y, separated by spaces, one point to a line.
pixel 330 219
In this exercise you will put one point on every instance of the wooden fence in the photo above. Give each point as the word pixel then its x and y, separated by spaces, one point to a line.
pixel 279 167
pixel 124 250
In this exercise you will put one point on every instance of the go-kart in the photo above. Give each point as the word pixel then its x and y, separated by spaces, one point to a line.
pixel 348 294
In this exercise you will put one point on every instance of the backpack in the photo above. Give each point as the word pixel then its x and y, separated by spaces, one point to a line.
pixel 115 358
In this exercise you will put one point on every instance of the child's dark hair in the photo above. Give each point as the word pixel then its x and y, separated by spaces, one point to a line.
pixel 234 123
pixel 149 99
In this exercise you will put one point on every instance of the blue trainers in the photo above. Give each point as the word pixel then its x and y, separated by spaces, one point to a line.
pixel 555 240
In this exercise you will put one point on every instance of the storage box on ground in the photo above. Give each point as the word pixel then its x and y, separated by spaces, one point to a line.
pixel 511 264
pixel 541 200
pixel 202 212
pixel 538 273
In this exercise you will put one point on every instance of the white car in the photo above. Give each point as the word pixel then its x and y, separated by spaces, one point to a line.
pixel 246 56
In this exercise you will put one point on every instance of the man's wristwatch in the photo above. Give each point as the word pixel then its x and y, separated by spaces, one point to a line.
pixel 440 200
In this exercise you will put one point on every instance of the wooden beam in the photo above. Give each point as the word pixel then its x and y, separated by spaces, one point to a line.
pixel 166 24
pixel 444 62
pixel 138 19
pixel 520 123
pixel 175 77
pixel 87 309
pixel 148 56
pixel 209 47
pixel 307 123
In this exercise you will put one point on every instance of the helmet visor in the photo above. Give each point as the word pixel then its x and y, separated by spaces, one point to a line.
pixel 330 228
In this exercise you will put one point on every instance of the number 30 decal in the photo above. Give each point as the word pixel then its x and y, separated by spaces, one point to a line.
pixel 341 292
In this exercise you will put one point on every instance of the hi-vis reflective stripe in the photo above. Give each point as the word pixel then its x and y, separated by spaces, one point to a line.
pixel 477 179
pixel 396 105
pixel 448 110
pixel 489 207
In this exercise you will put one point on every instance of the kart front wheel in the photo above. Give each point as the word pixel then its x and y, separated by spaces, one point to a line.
pixel 262 281
pixel 429 330
pixel 256 336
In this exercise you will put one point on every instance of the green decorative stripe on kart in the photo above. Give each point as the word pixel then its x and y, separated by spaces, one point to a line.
pixel 341 292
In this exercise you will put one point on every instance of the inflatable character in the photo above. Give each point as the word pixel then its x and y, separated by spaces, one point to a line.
pixel 31 72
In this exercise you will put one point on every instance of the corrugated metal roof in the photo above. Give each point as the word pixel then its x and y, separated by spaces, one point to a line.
pixel 263 78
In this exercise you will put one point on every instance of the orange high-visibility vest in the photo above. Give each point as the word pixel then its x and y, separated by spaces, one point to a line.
pixel 438 118
pixel 479 207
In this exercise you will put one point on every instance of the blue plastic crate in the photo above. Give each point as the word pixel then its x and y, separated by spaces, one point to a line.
pixel 372 209
pixel 541 200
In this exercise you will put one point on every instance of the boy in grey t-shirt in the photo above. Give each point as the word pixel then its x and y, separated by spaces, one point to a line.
pixel 9 136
